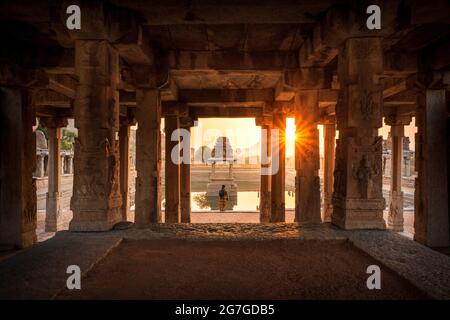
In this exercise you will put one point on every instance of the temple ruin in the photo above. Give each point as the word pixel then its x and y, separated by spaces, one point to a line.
pixel 133 64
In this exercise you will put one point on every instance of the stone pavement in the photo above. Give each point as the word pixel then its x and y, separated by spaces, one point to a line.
pixel 39 272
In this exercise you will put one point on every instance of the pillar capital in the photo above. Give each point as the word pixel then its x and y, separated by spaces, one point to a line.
pixel 265 120
pixel 127 121
pixel 397 120
pixel 174 108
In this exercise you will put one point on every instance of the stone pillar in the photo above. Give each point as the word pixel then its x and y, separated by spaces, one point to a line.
pixel 395 217
pixel 329 131
pixel 431 220
pixel 185 177
pixel 265 179
pixel 172 171
pixel 124 146
pixel 53 210
pixel 70 164
pixel 358 201
pixel 17 164
pixel 307 158
pixel 148 157
pixel 278 177
pixel 96 202
pixel 62 161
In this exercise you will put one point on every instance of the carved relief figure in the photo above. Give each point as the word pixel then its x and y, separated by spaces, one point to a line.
pixel 364 175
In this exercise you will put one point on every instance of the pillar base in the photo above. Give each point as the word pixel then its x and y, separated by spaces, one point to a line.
pixel 351 214
pixel 278 213
pixel 95 220
pixel 28 238
pixel 327 212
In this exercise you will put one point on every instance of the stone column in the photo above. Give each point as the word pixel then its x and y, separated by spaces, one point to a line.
pixel 278 177
pixel 307 158
pixel 395 218
pixel 53 210
pixel 265 179
pixel 185 177
pixel 329 131
pixel 431 220
pixel 124 146
pixel 358 201
pixel 71 164
pixel 17 164
pixel 96 202
pixel 148 157
pixel 172 171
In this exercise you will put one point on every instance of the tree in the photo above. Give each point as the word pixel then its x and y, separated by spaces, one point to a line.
pixel 67 140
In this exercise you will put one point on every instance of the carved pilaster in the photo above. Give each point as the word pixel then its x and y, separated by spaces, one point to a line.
pixel 96 200
pixel 358 201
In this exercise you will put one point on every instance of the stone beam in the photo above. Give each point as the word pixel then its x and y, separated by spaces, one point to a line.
pixel 135 49
pixel 219 95
pixel 233 60
pixel 394 89
pixel 308 78
pixel 315 51
pixel 400 64
pixel 242 12
pixel 217 112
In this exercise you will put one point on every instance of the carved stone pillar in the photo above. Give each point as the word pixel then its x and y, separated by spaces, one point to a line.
pixel 148 157
pixel 431 221
pixel 185 176
pixel 96 202
pixel 358 201
pixel 265 177
pixel 307 158
pixel 124 146
pixel 329 131
pixel 172 170
pixel 17 164
pixel 53 210
pixel 278 176
pixel 395 218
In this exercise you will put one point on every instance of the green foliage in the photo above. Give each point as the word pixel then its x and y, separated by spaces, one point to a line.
pixel 67 140
pixel 43 129
pixel 202 201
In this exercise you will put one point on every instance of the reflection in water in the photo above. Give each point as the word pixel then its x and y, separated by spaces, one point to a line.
pixel 245 201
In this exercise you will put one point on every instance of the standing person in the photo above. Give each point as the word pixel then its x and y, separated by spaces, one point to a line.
pixel 223 198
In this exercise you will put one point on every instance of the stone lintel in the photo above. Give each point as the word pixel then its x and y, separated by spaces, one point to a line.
pixel 225 95
pixel 53 122
pixel 308 78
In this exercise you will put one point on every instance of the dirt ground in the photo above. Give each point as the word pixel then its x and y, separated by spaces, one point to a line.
pixel 244 269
